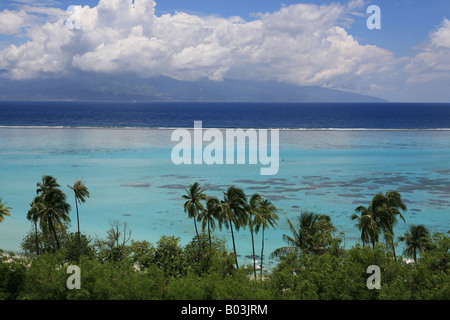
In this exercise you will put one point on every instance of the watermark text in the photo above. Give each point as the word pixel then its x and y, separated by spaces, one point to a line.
pixel 228 149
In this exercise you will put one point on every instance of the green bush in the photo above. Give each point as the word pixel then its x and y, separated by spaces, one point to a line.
pixel 46 278
pixel 12 275
pixel 199 271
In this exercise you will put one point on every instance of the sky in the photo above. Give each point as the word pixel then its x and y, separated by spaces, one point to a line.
pixel 306 43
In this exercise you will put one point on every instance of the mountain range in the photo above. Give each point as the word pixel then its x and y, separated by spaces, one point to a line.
pixel 113 88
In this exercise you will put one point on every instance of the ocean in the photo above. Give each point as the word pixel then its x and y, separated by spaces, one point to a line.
pixel 227 114
pixel 333 157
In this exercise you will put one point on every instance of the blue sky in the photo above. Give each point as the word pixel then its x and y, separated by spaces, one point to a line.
pixel 411 45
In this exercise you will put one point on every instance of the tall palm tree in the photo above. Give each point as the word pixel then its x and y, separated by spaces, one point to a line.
pixel 34 215
pixel 392 203
pixel 54 209
pixel 4 210
pixel 266 218
pixel 193 205
pixel 254 211
pixel 417 240
pixel 233 212
pixel 209 215
pixel 81 192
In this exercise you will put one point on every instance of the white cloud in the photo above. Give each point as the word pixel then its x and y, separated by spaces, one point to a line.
pixel 441 38
pixel 12 22
pixel 303 44
pixel 433 61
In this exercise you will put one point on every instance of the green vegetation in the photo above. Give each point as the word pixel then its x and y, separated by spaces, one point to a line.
pixel 313 265
pixel 4 210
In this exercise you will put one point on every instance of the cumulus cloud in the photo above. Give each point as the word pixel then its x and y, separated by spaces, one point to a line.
pixel 303 44
pixel 12 22
pixel 433 60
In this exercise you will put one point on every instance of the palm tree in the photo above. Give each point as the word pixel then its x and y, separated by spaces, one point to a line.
pixel 297 242
pixel 309 237
pixel 4 211
pixel 81 193
pixel 48 184
pixel 208 215
pixel 294 242
pixel 193 204
pixel 34 216
pixel 392 203
pixel 53 208
pixel 254 211
pixel 368 224
pixel 266 218
pixel 233 211
pixel 380 216
pixel 417 240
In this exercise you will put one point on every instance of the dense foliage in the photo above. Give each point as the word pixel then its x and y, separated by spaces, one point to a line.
pixel 313 265
pixel 198 271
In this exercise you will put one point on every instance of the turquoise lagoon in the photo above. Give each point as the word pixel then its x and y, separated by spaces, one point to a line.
pixel 132 179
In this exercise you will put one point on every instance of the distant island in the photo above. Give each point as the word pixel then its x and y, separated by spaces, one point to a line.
pixel 112 88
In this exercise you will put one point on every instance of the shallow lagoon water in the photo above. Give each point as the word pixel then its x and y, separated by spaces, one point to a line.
pixel 132 179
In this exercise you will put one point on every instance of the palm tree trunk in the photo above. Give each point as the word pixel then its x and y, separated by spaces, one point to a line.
pixel 198 237
pixel 79 236
pixel 196 231
pixel 262 251
pixel 254 263
pixel 55 237
pixel 234 246
pixel 36 237
pixel 393 249
pixel 209 235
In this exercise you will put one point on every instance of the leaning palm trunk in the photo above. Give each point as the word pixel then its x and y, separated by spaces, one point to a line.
pixel 209 235
pixel 36 237
pixel 196 231
pixel 234 246
pixel 390 242
pixel 262 251
pixel 254 262
pixel 78 223
pixel 393 249
pixel 55 237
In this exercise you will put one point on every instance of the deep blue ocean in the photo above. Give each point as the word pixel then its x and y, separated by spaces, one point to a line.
pixel 227 115
pixel 123 156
